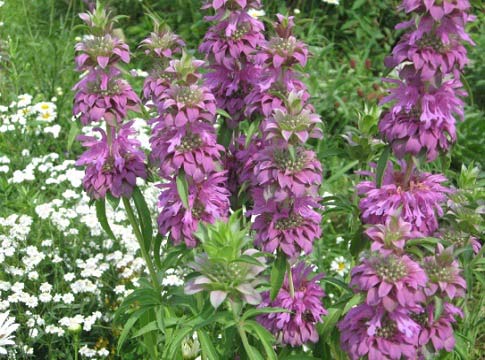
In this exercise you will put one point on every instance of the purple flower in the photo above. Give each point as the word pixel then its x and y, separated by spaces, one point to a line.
pixel 444 274
pixel 285 175
pixel 192 148
pixel 438 331
pixel 418 195
pixel 102 51
pixel 391 281
pixel 297 326
pixel 291 229
pixel 102 96
pixel 436 8
pixel 438 102
pixel 112 167
pixel 221 5
pixel 409 135
pixel 391 237
pixel 432 48
pixel 155 85
pixel 208 201
pixel 369 332
pixel 180 105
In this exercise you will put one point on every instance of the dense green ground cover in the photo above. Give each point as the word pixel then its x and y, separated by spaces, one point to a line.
pixel 56 263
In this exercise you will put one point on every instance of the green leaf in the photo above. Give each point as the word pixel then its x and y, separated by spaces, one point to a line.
pixel 183 189
pixel 151 326
pixel 263 335
pixel 145 218
pixel 208 348
pixel 103 220
pixel 113 201
pixel 329 321
pixel 249 260
pixel 277 275
pixel 255 312
pixel 381 165
pixel 338 283
pixel 128 325
pixel 157 244
pixel 223 113
pixel 73 131
pixel 173 345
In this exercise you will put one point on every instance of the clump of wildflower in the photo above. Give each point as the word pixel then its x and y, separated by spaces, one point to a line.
pixel 304 304
pixel 417 195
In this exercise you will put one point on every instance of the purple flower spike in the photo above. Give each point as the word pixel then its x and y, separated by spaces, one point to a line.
pixel 367 332
pixel 208 200
pixel 193 149
pixel 112 167
pixel 297 326
pixel 292 230
pixel 419 198
pixel 290 176
pixel 101 96
pixel 390 281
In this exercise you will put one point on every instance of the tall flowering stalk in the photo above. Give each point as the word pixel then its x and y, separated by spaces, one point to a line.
pixel 285 177
pixel 408 311
pixel 184 143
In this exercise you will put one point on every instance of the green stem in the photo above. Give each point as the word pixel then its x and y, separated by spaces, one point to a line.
pixel 290 279
pixel 242 333
pixel 139 237
pixel 409 170
pixel 76 346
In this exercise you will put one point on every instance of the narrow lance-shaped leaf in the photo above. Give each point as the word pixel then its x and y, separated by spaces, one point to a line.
pixel 103 220
pixel 145 218
pixel 381 166
pixel 277 275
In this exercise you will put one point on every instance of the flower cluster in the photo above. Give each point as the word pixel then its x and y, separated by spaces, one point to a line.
pixel 297 326
pixel 184 144
pixel 427 98
pixel 114 161
pixel 398 319
pixel 230 45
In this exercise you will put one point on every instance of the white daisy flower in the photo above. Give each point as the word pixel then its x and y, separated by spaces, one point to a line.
pixel 24 100
pixel 340 266
pixel 47 116
pixel 256 13
pixel 44 107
